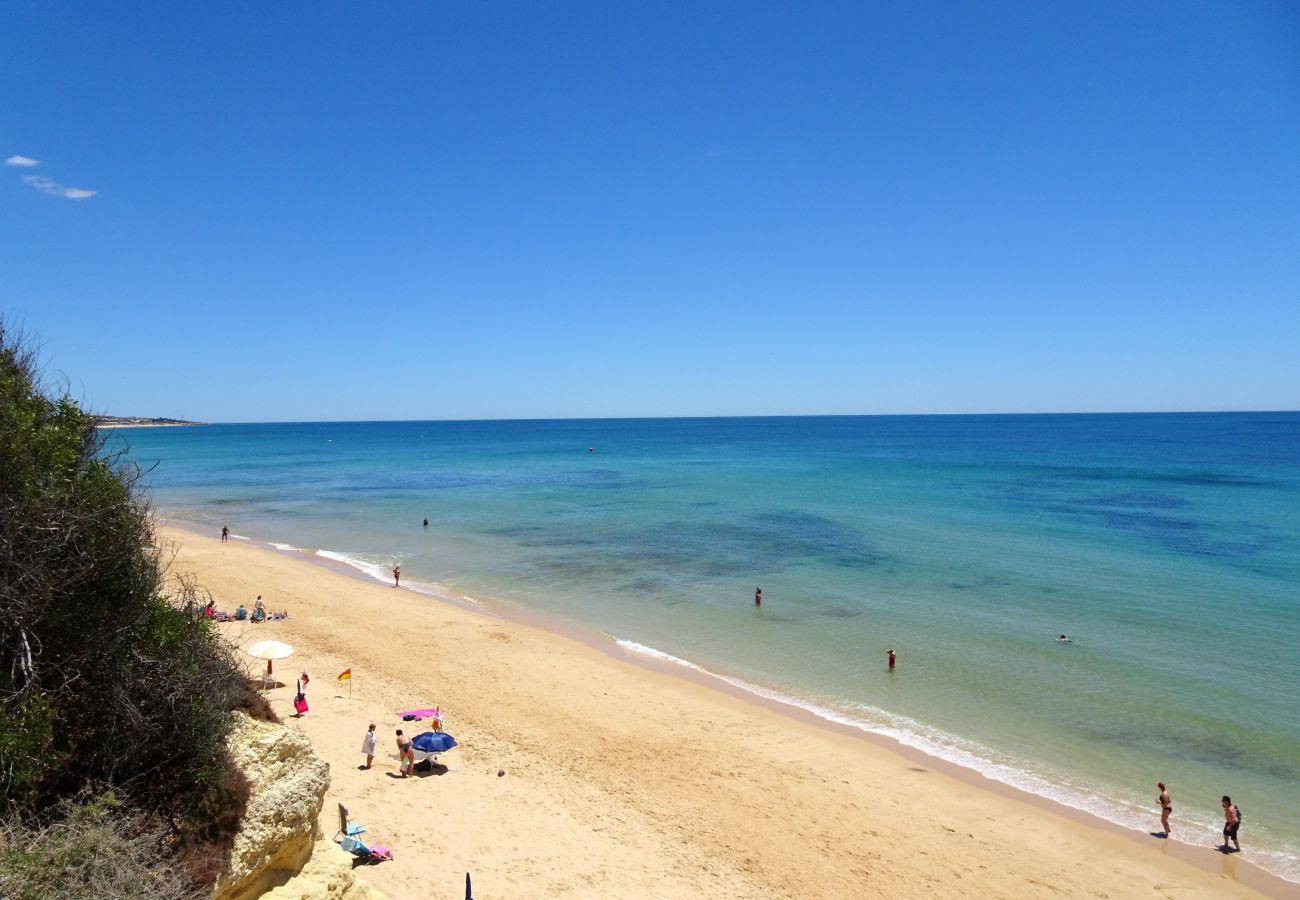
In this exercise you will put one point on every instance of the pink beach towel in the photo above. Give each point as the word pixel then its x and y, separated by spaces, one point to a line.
pixel 418 713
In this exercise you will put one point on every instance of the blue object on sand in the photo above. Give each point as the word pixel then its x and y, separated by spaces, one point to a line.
pixel 433 742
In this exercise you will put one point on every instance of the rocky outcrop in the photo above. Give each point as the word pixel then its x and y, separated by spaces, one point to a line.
pixel 327 876
pixel 279 830
pixel 279 852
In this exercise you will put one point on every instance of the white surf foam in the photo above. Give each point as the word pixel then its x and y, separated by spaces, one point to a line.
pixel 376 570
pixel 977 758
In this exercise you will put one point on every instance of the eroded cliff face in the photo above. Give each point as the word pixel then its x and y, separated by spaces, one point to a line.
pixel 279 847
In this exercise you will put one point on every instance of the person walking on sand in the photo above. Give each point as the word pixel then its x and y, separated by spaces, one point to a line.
pixel 1166 807
pixel 225 534
pixel 892 659
pixel 1231 822
pixel 397 576
pixel 758 596
pixel 368 746
pixel 404 753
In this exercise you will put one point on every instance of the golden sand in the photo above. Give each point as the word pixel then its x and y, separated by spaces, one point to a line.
pixel 623 781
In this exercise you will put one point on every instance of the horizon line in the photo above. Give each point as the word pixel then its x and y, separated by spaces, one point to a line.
pixel 181 421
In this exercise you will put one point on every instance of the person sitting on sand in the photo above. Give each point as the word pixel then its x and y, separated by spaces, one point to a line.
pixel 210 611
pixel 241 613
pixel 404 753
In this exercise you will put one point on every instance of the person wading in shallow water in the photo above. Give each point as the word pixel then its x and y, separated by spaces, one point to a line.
pixel 1231 822
pixel 892 659
pixel 1166 807
pixel 397 576
pixel 758 596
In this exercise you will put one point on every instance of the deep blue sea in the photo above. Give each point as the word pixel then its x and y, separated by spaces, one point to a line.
pixel 1166 546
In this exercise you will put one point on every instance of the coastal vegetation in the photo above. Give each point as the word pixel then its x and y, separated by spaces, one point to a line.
pixel 139 421
pixel 115 694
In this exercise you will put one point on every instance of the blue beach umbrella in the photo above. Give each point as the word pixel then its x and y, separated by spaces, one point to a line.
pixel 433 742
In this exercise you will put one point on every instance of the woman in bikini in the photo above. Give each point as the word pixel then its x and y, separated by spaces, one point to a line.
pixel 405 756
pixel 1166 807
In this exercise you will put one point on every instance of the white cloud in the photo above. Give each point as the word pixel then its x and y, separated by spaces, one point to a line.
pixel 54 189
pixel 25 162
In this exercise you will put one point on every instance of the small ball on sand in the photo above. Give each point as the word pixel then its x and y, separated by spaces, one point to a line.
pixel 500 773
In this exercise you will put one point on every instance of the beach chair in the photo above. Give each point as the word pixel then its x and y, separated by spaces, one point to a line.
pixel 347 827
pixel 367 855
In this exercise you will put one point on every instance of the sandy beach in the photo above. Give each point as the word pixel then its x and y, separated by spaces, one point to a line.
pixel 624 781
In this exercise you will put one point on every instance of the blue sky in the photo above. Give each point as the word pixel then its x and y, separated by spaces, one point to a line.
pixel 485 210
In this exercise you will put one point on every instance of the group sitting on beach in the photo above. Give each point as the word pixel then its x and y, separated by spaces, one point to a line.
pixel 241 614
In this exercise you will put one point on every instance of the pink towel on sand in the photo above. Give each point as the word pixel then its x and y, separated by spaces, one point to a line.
pixel 418 713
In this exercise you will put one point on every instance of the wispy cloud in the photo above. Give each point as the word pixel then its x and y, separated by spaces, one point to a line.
pixel 25 162
pixel 54 189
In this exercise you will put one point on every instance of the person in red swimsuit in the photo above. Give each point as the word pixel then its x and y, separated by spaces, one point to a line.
pixel 892 659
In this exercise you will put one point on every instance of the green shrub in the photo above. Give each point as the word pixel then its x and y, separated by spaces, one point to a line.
pixel 108 674
pixel 94 848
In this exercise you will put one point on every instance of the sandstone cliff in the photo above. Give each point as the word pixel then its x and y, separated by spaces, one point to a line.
pixel 279 849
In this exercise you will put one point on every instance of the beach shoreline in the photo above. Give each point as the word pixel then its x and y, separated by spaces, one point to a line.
pixel 1223 871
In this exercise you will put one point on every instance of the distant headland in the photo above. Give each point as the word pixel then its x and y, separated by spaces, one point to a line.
pixel 138 422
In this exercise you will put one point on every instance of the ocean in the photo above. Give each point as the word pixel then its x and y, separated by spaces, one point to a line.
pixel 1167 547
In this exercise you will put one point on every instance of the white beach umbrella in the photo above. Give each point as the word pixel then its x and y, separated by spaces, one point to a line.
pixel 269 650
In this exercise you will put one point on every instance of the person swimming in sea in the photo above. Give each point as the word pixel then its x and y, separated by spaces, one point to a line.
pixel 1064 640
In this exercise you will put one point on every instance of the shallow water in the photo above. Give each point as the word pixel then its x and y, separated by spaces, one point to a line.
pixel 1166 546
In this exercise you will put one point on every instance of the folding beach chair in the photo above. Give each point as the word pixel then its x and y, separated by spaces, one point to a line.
pixel 366 855
pixel 347 828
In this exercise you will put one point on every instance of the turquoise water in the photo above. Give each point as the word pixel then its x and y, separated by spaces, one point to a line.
pixel 1167 546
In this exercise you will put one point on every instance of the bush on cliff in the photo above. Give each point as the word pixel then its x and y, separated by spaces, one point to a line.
pixel 108 676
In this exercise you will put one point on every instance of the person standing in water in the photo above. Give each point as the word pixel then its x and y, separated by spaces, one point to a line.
pixel 426 522
pixel 397 576
pixel 225 533
pixel 1166 807
pixel 1231 822
pixel 758 596
pixel 892 659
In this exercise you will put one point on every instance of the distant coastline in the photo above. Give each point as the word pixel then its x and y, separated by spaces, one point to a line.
pixel 139 422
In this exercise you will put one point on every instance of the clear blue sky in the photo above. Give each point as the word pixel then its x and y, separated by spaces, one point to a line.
pixel 541 209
